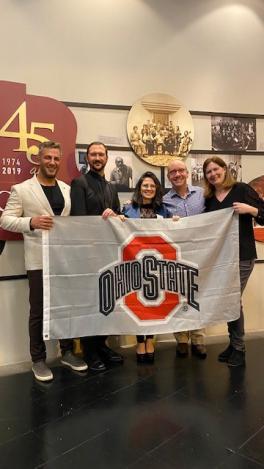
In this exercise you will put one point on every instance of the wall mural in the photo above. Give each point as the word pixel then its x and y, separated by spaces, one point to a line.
pixel 25 122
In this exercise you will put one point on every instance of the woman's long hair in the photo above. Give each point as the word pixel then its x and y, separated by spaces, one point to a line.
pixel 228 183
pixel 137 200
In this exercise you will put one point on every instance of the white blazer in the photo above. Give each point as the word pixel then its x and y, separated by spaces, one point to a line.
pixel 28 200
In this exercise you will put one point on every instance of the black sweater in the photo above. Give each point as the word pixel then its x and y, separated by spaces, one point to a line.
pixel 241 192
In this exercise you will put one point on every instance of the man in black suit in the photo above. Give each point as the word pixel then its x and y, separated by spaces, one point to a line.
pixel 91 194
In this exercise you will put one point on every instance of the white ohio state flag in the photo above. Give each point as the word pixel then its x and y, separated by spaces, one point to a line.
pixel 140 276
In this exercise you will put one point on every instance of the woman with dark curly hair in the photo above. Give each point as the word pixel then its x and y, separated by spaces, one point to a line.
pixel 146 203
pixel 222 191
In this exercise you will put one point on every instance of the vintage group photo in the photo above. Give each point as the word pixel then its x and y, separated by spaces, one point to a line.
pixel 159 129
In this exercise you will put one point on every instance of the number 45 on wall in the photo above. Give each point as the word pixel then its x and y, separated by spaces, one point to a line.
pixel 22 134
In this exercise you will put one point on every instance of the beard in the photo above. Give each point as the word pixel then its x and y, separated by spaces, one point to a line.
pixel 98 167
pixel 48 174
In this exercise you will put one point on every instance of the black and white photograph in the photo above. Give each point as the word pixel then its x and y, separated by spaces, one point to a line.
pixel 159 128
pixel 233 134
pixel 119 169
pixel 80 160
pixel 233 162
pixel 121 175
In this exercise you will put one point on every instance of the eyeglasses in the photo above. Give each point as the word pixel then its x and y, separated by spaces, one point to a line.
pixel 175 171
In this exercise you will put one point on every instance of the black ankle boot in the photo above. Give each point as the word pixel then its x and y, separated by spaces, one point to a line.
pixel 237 358
pixel 224 356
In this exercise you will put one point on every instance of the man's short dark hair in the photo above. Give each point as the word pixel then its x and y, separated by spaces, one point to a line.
pixel 49 144
pixel 96 143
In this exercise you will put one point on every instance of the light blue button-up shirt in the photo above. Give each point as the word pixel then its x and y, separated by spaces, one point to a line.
pixel 192 204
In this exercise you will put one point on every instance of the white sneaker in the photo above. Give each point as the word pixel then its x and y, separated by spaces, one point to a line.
pixel 41 371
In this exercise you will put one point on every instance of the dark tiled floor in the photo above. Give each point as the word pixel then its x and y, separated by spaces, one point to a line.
pixel 179 413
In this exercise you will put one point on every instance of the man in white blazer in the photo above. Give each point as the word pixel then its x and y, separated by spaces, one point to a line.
pixel 29 210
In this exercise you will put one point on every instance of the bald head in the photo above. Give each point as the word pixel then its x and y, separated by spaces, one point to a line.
pixel 176 165
pixel 178 175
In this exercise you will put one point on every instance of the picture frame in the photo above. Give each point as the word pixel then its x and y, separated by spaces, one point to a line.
pixel 126 175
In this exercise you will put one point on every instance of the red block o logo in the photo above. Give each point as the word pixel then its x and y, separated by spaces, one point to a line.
pixel 168 252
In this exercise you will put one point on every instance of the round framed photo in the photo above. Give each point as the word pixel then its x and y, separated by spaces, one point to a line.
pixel 160 129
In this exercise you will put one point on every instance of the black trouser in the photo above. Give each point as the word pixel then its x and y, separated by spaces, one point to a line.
pixel 37 344
pixel 92 346
pixel 236 328
pixel 141 338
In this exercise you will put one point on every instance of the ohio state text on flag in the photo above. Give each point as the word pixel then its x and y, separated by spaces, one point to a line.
pixel 140 276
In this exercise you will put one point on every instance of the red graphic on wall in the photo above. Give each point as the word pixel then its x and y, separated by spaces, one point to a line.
pixel 25 122
pixel 258 185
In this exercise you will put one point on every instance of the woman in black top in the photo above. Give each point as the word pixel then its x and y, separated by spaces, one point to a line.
pixel 222 191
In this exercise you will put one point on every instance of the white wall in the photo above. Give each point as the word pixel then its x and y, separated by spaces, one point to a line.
pixel 207 53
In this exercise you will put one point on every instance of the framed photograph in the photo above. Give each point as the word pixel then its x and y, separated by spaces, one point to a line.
pixel 236 134
pixel 80 160
pixel 159 128
pixel 119 170
pixel 233 162
pixel 123 168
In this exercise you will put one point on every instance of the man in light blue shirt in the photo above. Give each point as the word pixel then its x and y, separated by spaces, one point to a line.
pixel 185 200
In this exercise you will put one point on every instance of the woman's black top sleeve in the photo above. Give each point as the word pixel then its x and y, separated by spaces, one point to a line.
pixel 241 192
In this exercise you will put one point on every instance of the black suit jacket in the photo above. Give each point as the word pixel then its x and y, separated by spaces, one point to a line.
pixel 91 194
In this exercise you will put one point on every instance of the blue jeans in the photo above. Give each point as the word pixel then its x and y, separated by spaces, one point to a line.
pixel 236 328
